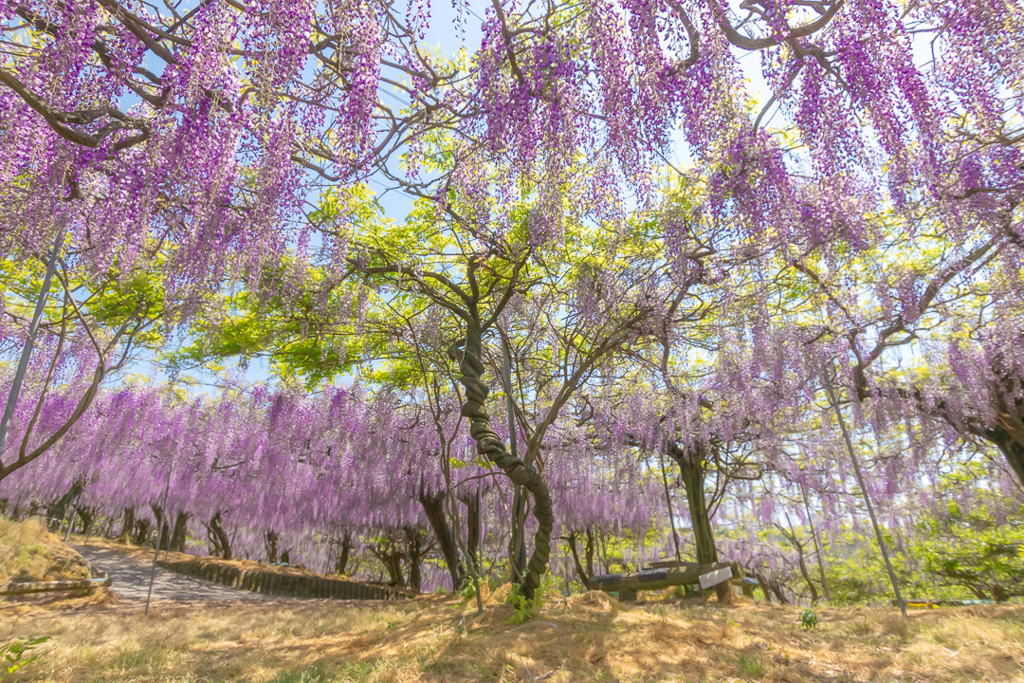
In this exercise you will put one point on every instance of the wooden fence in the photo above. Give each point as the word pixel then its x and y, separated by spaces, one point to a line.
pixel 273 583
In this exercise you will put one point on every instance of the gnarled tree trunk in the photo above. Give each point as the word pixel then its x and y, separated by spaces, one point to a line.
pixel 415 549
pixel 691 463
pixel 489 445
pixel 127 525
pixel 163 530
pixel 270 544
pixel 584 573
pixel 391 558
pixel 88 516
pixel 143 527
pixel 218 538
pixel 341 563
pixel 58 510
pixel 806 574
pixel 179 533
pixel 764 587
pixel 433 506
pixel 473 531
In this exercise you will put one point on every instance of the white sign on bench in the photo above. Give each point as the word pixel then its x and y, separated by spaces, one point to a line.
pixel 716 577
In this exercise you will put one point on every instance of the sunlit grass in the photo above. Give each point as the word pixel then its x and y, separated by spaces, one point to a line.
pixel 28 552
pixel 585 638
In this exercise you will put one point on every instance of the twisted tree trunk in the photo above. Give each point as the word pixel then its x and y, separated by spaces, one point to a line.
pixel 141 531
pixel 221 542
pixel 489 445
pixel 415 546
pixel 473 531
pixel 391 558
pixel 88 516
pixel 693 482
pixel 433 506
pixel 780 595
pixel 57 511
pixel 341 564
pixel 585 574
pixel 581 573
pixel 270 543
pixel 163 536
pixel 179 534
pixel 803 569
pixel 691 466
pixel 127 525
pixel 764 587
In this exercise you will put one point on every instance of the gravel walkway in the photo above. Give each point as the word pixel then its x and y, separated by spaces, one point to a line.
pixel 130 579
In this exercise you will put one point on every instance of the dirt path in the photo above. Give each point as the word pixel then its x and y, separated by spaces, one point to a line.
pixel 131 579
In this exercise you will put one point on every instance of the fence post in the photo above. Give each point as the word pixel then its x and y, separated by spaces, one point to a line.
pixel 159 533
pixel 33 328
pixel 863 489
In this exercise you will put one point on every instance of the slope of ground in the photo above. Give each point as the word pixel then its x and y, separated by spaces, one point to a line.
pixel 28 552
pixel 587 637
pixel 300 581
pixel 130 578
pixel 146 555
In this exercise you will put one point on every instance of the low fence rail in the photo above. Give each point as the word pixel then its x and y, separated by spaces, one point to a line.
pixel 50 586
pixel 273 583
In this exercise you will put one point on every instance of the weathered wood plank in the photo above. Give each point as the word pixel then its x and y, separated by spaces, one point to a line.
pixel 47 586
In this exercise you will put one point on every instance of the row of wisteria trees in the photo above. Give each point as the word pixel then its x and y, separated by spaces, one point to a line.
pixel 572 343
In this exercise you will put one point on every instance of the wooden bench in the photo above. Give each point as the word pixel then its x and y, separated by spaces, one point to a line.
pixel 924 603
pixel 665 575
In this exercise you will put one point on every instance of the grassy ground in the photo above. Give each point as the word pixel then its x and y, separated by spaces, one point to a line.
pixel 587 637
pixel 28 552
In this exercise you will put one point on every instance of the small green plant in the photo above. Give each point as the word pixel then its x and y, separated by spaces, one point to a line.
pixel 468 592
pixel 809 619
pixel 750 666
pixel 525 609
pixel 314 675
pixel 13 653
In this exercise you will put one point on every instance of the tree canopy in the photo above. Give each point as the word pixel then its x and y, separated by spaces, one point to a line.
pixel 654 277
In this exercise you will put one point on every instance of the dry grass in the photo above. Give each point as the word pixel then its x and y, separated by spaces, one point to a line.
pixel 587 637
pixel 28 552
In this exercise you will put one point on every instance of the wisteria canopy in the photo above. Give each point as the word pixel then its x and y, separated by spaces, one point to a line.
pixel 508 284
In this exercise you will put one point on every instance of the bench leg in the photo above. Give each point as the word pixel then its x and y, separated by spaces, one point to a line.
pixel 627 594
